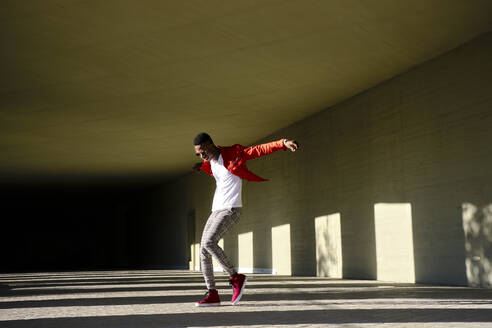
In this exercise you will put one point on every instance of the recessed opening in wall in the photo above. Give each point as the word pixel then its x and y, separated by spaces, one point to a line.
pixel 477 229
pixel 281 253
pixel 245 252
pixel 328 246
pixel 394 242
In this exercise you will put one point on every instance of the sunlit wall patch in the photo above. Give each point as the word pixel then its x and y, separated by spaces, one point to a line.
pixel 394 242
pixel 245 252
pixel 281 252
pixel 477 229
pixel 328 246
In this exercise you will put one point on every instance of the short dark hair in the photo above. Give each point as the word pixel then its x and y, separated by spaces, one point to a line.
pixel 202 138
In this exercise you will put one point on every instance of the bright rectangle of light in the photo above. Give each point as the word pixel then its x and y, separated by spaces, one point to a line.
pixel 245 251
pixel 394 242
pixel 328 246
pixel 281 253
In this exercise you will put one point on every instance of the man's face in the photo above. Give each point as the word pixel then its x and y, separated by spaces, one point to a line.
pixel 203 151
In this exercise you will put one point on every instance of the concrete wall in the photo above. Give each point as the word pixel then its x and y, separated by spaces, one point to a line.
pixel 422 139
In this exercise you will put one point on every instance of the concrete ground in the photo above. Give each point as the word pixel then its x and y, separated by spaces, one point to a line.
pixel 166 299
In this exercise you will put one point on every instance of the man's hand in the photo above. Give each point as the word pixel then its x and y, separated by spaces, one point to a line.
pixel 291 144
pixel 197 167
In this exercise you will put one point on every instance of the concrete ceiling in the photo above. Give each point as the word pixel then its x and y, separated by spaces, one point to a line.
pixel 114 91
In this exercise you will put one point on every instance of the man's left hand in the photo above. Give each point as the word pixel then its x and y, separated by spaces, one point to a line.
pixel 291 144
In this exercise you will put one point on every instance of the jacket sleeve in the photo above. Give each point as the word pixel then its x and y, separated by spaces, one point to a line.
pixel 207 168
pixel 264 149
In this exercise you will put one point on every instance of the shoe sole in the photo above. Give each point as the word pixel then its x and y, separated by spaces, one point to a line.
pixel 206 304
pixel 241 292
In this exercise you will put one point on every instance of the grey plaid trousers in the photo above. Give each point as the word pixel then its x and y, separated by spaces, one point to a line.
pixel 218 224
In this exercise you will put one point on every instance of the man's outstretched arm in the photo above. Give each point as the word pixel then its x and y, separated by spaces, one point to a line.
pixel 270 147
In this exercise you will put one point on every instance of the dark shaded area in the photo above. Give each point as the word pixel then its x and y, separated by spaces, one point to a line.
pixel 288 288
pixel 265 318
pixel 54 228
pixel 273 297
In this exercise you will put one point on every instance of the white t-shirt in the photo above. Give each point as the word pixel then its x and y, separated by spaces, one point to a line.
pixel 228 190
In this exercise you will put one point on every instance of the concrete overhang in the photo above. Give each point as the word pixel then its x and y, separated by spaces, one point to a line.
pixel 113 91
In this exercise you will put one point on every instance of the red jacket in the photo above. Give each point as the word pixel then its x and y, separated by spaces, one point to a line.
pixel 235 158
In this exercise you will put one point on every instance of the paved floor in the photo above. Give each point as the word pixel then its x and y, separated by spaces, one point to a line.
pixel 166 299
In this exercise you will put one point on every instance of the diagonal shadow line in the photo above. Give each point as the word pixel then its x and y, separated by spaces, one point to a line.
pixel 263 297
pixel 141 287
pixel 206 319
pixel 114 275
pixel 39 290
pixel 101 274
pixel 118 282
pixel 86 278
pixel 106 283
pixel 103 281
pixel 34 283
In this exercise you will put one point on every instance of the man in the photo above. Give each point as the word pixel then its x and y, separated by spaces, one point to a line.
pixel 228 166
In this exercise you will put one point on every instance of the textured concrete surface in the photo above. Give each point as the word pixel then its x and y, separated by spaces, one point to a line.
pixel 166 299
pixel 114 91
pixel 421 140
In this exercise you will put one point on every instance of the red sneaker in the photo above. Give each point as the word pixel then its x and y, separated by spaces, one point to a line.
pixel 237 281
pixel 211 299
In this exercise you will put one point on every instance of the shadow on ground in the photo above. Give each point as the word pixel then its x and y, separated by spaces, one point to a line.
pixel 298 291
pixel 263 318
